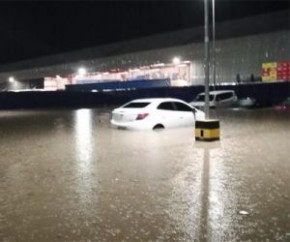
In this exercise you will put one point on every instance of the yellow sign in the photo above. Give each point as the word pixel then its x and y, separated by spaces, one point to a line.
pixel 269 65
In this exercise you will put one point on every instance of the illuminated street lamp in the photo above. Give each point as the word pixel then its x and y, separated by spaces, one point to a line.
pixel 82 71
pixel 11 79
pixel 176 60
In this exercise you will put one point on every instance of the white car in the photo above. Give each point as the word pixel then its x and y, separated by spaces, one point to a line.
pixel 155 113
pixel 217 99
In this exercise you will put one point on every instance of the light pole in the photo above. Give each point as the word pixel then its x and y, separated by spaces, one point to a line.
pixel 206 59
pixel 208 129
pixel 213 44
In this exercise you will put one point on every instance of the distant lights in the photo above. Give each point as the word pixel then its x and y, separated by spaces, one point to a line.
pixel 82 71
pixel 158 65
pixel 176 60
pixel 134 70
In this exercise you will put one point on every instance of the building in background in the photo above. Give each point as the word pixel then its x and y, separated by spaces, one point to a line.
pixel 244 50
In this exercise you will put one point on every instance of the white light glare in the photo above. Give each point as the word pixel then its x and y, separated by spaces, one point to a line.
pixel 82 71
pixel 176 60
pixel 11 79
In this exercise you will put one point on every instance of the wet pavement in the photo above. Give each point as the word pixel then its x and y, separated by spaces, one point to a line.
pixel 65 175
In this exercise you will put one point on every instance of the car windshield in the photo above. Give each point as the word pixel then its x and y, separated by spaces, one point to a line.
pixel 201 98
pixel 137 105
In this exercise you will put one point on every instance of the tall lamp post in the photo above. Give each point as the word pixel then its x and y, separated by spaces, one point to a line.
pixel 213 44
pixel 206 59
pixel 207 129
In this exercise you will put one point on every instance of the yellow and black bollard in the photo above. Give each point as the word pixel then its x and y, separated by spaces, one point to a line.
pixel 207 130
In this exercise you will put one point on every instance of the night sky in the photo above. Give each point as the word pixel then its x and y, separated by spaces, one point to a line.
pixel 33 29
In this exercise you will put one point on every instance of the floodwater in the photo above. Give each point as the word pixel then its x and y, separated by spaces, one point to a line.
pixel 65 175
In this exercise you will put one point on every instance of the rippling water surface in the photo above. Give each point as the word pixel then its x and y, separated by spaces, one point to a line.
pixel 65 175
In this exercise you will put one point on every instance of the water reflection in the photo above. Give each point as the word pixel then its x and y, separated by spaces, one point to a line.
pixel 83 138
pixel 222 199
pixel 213 199
pixel 83 155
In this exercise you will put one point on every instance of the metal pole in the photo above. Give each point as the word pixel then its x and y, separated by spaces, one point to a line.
pixel 213 44
pixel 206 59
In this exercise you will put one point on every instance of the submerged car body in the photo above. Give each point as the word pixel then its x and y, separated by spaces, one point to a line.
pixel 154 113
pixel 284 106
pixel 247 102
pixel 217 99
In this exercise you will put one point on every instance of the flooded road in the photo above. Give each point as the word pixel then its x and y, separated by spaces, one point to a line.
pixel 65 175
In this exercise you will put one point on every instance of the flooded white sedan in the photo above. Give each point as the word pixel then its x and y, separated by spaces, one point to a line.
pixel 155 113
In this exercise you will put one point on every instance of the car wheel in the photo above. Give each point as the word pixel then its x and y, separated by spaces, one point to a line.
pixel 158 126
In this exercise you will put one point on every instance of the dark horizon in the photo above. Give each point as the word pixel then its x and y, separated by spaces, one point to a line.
pixel 36 29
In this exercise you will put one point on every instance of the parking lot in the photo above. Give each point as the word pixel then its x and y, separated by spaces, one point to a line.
pixel 65 175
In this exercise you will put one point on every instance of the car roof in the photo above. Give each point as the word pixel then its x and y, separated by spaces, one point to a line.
pixel 157 100
pixel 218 92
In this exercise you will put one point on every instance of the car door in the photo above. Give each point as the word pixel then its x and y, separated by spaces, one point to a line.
pixel 224 99
pixel 184 114
pixel 167 115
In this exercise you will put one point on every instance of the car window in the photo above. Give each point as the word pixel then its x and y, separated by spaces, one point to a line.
pixel 201 98
pixel 137 105
pixel 224 96
pixel 166 106
pixel 182 107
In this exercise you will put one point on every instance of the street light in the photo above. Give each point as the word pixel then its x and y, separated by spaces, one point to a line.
pixel 176 60
pixel 11 79
pixel 82 71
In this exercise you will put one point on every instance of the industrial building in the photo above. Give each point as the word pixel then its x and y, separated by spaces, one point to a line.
pixel 255 48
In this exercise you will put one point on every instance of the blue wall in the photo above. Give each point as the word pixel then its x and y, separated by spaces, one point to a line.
pixel 266 93
pixel 114 85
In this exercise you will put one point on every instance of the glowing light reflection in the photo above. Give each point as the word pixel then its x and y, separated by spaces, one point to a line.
pixel 83 138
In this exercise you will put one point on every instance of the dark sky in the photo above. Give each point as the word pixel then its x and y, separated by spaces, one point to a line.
pixel 33 29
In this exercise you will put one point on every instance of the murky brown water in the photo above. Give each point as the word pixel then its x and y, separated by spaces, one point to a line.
pixel 66 176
